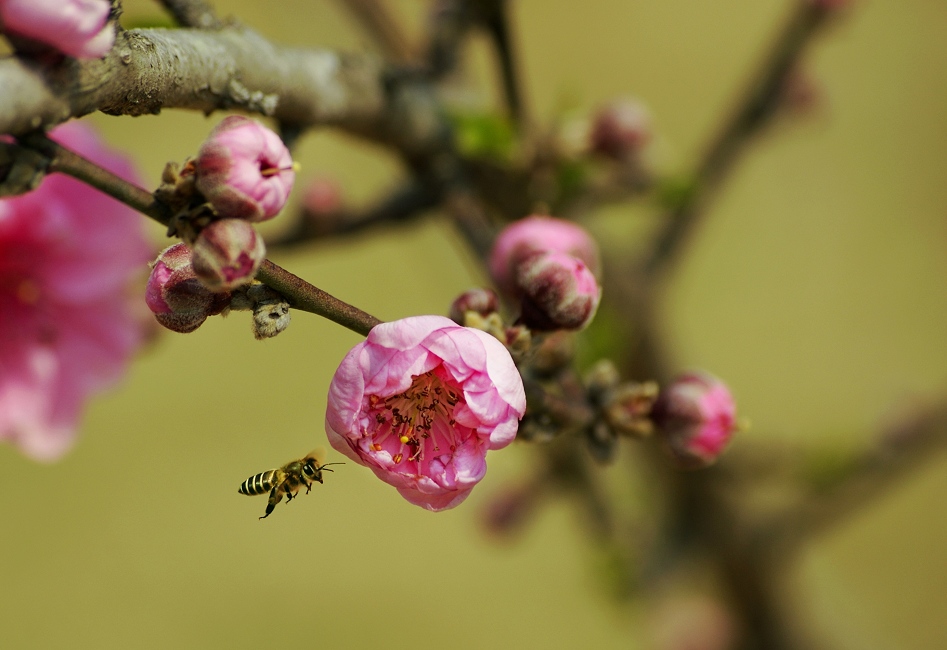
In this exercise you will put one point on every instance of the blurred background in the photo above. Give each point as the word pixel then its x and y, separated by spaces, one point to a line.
pixel 816 289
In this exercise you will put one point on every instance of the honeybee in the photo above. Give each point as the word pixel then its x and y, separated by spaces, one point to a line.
pixel 287 479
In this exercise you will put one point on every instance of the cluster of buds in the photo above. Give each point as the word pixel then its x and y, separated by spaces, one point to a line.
pixel 178 295
pixel 243 174
pixel 550 266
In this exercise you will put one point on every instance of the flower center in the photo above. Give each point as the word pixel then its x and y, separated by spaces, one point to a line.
pixel 418 421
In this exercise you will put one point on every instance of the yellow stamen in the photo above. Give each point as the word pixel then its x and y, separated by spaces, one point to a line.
pixel 398 458
pixel 404 440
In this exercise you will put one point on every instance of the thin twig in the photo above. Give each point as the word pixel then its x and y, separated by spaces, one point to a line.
pixel 300 294
pixel 895 455
pixel 494 16
pixel 193 13
pixel 758 103
pixel 378 22
pixel 400 206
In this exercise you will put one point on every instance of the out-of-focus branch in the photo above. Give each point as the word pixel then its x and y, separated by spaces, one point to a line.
pixel 378 22
pixel 895 455
pixel 400 206
pixel 494 16
pixel 299 293
pixel 150 70
pixel 193 13
pixel 757 104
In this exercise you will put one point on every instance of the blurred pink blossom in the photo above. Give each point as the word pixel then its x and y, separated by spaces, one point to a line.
pixel 696 417
pixel 245 170
pixel 534 234
pixel 67 326
pixel 420 402
pixel 75 27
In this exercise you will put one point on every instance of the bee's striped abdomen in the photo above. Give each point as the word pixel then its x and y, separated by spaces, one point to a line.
pixel 259 484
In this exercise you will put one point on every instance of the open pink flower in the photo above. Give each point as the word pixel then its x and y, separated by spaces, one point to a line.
pixel 245 170
pixel 75 27
pixel 67 325
pixel 420 402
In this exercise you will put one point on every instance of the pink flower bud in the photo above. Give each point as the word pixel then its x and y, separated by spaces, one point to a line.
pixel 174 294
pixel 696 417
pixel 77 28
pixel 420 402
pixel 558 292
pixel 480 301
pixel 620 129
pixel 244 170
pixel 227 254
pixel 533 234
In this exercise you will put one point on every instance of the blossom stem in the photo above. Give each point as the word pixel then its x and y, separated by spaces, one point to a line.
pixel 299 293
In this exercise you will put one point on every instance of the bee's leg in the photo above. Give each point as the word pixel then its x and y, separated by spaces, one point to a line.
pixel 289 496
pixel 308 487
pixel 275 497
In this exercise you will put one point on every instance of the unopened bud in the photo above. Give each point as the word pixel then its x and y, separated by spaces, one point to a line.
pixel 695 416
pixel 270 309
pixel 174 294
pixel 558 291
pixel 555 352
pixel 627 408
pixel 244 170
pixel 620 130
pixel 227 254
pixel 535 234
pixel 480 301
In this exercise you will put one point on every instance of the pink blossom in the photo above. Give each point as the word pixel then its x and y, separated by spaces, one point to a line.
pixel 75 27
pixel 620 129
pixel 534 234
pixel 179 301
pixel 420 402
pixel 245 170
pixel 227 254
pixel 67 326
pixel 558 291
pixel 696 416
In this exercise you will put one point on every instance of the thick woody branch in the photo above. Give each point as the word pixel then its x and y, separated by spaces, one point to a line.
pixel 150 70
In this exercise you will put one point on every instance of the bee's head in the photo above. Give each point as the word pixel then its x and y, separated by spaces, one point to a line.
pixel 313 470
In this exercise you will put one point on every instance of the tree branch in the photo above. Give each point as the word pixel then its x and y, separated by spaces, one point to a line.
pixel 758 103
pixel 378 22
pixel 299 293
pixel 149 70
pixel 193 13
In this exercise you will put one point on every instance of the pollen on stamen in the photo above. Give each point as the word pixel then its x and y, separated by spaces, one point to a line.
pixel 398 458
pixel 376 447
pixel 404 440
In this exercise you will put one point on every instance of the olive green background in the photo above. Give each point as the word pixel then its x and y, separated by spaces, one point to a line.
pixel 816 288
